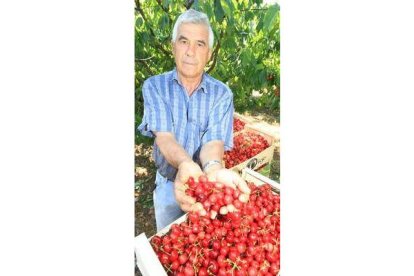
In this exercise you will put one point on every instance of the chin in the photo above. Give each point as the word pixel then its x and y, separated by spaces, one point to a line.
pixel 190 73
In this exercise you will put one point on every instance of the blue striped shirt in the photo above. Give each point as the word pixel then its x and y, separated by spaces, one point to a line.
pixel 194 120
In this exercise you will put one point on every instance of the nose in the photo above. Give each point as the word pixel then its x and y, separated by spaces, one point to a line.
pixel 190 50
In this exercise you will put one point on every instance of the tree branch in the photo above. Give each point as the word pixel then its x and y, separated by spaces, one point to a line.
pixel 139 9
pixel 157 44
pixel 254 9
pixel 188 4
pixel 215 52
pixel 144 59
pixel 162 7
pixel 145 65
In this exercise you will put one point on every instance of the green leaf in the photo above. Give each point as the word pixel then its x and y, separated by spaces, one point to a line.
pixel 229 42
pixel 163 22
pixel 270 17
pixel 228 8
pixel 139 21
pixel 259 25
pixel 208 10
pixel 262 77
pixel 218 10
pixel 165 3
pixel 245 57
pixel 259 67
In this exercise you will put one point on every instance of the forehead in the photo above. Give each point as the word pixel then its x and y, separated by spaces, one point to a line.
pixel 193 31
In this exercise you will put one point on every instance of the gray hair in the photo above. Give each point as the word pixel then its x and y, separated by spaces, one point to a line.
pixel 195 17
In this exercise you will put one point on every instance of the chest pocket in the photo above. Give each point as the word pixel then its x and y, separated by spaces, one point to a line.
pixel 202 127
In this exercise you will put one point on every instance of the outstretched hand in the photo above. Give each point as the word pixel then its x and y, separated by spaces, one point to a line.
pixel 226 177
pixel 229 178
pixel 187 203
pixel 232 179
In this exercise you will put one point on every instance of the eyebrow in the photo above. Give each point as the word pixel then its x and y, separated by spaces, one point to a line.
pixel 181 37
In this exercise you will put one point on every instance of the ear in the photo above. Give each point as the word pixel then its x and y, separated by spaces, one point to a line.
pixel 173 48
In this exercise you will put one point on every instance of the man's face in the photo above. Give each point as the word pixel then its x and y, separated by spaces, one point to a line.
pixel 191 51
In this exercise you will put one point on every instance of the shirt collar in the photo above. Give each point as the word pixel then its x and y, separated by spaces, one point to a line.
pixel 201 85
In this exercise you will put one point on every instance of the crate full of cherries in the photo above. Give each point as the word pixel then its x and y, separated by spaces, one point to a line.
pixel 238 235
pixel 252 148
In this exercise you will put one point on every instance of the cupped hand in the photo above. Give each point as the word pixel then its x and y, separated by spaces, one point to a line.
pixel 232 179
pixel 187 203
pixel 229 178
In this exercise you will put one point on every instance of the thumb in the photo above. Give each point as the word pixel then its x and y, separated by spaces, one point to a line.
pixel 242 185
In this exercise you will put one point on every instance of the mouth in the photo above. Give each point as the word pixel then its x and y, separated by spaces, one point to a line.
pixel 189 63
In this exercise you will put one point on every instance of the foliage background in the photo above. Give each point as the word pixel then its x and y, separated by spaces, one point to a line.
pixel 246 53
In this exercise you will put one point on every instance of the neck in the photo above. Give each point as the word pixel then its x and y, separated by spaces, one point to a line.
pixel 190 84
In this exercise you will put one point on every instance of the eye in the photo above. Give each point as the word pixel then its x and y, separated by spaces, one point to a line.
pixel 200 44
pixel 183 41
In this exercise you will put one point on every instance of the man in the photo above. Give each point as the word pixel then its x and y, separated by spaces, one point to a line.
pixel 191 116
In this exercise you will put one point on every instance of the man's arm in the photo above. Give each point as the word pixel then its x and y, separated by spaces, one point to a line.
pixel 157 121
pixel 211 156
pixel 176 156
pixel 173 152
pixel 219 136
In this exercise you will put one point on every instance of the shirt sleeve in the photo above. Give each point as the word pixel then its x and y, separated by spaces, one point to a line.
pixel 220 123
pixel 157 115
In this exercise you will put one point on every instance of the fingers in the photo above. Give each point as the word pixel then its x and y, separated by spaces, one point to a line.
pixel 188 203
pixel 179 188
pixel 244 198
pixel 185 171
pixel 185 207
pixel 198 207
pixel 241 185
pixel 184 200
pixel 226 177
pixel 233 180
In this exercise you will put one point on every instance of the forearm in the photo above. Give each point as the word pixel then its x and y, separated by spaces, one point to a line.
pixel 213 150
pixel 173 152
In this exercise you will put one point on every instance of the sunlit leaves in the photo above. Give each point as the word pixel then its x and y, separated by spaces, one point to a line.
pixel 248 57
pixel 163 21
pixel 218 11
pixel 270 17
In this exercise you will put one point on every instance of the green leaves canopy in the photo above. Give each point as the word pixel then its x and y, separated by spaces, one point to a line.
pixel 246 52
